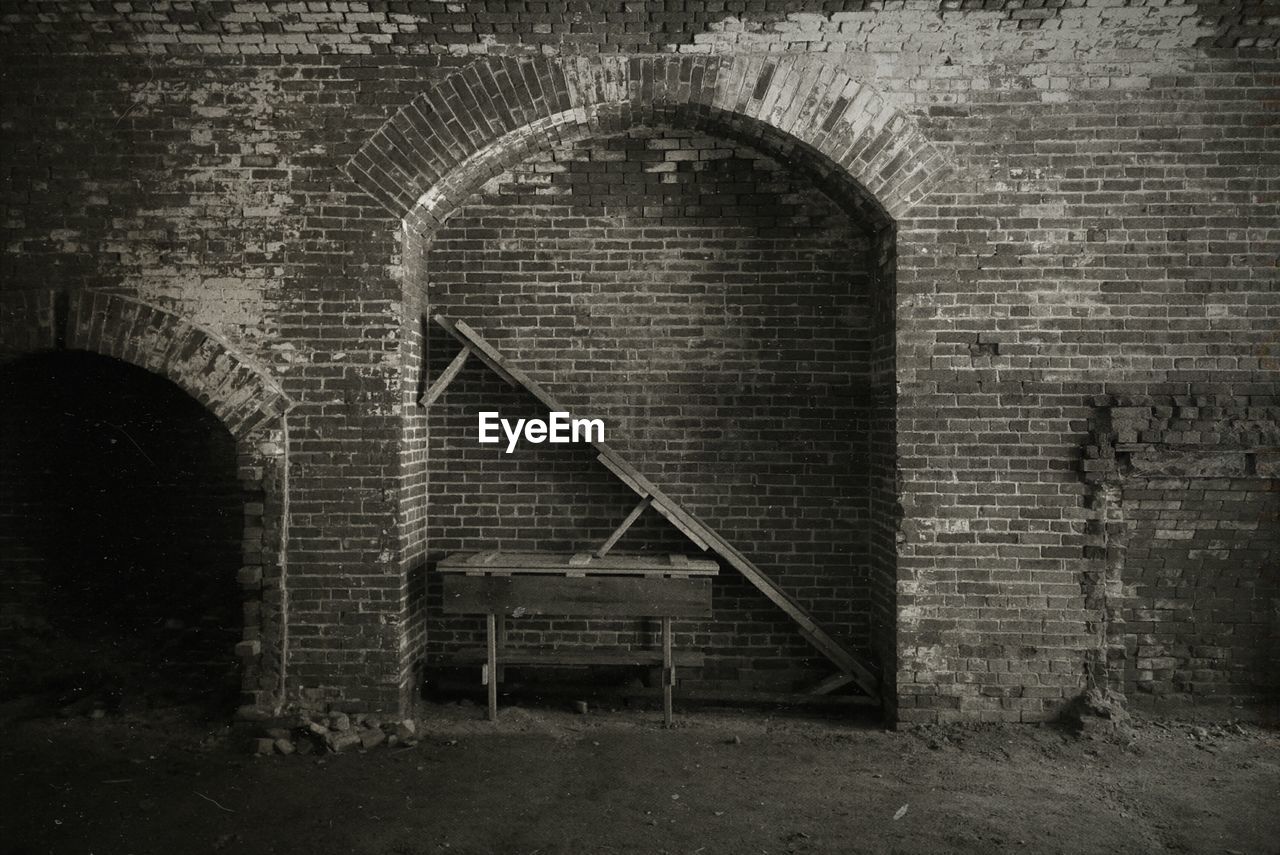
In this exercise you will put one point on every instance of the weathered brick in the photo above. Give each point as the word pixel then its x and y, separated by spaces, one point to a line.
pixel 1080 206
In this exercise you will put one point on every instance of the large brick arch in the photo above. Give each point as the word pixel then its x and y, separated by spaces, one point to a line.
pixel 807 114
pixel 451 138
pixel 250 404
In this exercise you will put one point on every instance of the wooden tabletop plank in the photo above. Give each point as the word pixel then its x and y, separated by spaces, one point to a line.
pixel 591 596
pixel 574 656
pixel 559 562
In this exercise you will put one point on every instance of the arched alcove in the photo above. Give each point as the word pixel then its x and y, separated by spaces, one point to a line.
pixel 811 120
pixel 122 499
pixel 147 451
pixel 718 309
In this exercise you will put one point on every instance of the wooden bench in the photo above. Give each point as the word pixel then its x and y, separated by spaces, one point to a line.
pixel 502 585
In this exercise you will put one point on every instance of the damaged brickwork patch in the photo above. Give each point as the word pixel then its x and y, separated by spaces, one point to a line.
pixel 1185 543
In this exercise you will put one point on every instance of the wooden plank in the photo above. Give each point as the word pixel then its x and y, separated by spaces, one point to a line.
pixel 589 596
pixel 490 353
pixel 570 658
pixel 495 367
pixel 446 377
pixel 679 524
pixel 748 696
pixel 668 672
pixel 620 474
pixel 618 532
pixel 685 522
pixel 580 572
pixel 831 684
pixel 814 633
pixel 560 562
pixel 491 666
pixel 571 689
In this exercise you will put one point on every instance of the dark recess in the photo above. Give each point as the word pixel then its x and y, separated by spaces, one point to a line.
pixel 119 494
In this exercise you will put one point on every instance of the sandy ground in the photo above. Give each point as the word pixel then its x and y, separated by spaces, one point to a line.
pixel 544 781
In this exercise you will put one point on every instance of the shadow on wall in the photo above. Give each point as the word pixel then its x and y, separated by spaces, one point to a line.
pixel 121 518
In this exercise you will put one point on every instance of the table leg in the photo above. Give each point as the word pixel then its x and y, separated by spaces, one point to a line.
pixel 491 639
pixel 668 671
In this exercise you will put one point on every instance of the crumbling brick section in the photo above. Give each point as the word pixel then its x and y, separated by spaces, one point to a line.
pixel 248 402
pixel 1184 589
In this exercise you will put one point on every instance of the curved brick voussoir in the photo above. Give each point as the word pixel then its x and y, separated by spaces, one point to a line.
pixel 428 157
pixel 233 387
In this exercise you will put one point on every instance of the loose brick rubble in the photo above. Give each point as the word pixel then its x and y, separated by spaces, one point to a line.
pixel 336 732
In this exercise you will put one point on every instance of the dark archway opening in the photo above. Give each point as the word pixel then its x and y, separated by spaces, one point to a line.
pixel 121 537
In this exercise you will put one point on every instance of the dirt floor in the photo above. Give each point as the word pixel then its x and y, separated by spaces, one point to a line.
pixel 545 781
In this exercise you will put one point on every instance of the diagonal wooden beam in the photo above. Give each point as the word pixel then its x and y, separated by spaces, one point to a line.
pixel 446 377
pixel 663 505
pixel 485 353
pixel 831 684
pixel 623 526
pixel 706 537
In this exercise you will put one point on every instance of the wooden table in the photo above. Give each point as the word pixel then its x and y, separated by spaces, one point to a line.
pixel 520 584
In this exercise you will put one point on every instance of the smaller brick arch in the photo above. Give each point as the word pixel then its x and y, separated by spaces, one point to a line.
pixel 450 139
pixel 250 404
pixel 235 389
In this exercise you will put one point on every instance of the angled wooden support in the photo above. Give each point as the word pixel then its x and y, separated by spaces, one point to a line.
pixel 672 512
pixel 707 538
pixel 668 672
pixel 834 682
pixel 490 673
pixel 623 526
pixel 483 352
pixel 816 635
pixel 446 377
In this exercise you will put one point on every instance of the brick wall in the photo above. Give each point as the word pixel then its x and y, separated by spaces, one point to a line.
pixel 213 193
pixel 1201 588
pixel 1185 584
pixel 1094 213
pixel 437 27
pixel 884 512
pixel 714 310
